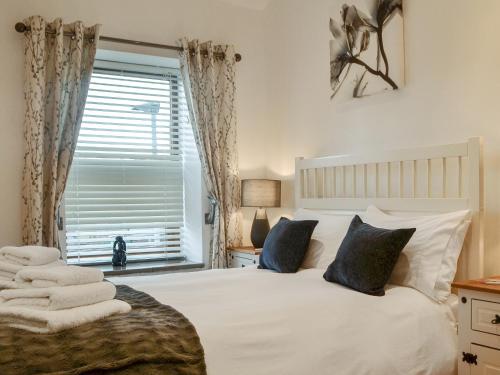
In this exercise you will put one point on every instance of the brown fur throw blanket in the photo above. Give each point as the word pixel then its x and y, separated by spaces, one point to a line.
pixel 152 339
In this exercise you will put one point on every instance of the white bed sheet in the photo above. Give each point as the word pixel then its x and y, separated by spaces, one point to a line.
pixel 259 322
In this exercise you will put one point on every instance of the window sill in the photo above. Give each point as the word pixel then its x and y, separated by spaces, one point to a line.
pixel 147 267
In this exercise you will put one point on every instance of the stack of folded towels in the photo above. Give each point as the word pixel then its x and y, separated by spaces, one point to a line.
pixel 14 259
pixel 39 293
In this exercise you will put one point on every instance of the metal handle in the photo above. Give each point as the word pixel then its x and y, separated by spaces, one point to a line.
pixel 496 320
pixel 469 358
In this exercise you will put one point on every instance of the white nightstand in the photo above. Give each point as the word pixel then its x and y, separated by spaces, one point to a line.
pixel 243 256
pixel 478 328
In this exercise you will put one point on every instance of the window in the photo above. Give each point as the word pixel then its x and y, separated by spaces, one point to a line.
pixel 127 173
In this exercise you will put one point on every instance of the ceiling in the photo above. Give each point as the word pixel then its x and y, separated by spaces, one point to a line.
pixel 252 4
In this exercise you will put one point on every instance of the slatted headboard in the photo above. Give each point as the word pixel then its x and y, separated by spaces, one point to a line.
pixel 421 180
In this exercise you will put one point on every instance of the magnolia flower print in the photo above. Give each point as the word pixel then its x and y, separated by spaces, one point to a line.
pixel 353 36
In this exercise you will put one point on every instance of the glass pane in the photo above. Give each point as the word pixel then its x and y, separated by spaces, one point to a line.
pixel 127 178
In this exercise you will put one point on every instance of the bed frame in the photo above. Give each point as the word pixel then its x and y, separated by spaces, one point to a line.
pixel 420 180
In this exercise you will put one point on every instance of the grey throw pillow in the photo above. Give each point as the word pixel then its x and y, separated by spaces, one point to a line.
pixel 286 245
pixel 367 256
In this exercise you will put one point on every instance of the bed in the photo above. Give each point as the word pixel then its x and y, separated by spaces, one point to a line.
pixel 253 321
pixel 259 322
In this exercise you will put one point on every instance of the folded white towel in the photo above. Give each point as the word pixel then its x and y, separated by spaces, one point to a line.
pixel 9 270
pixel 6 266
pixel 7 275
pixel 7 284
pixel 59 297
pixel 53 321
pixel 40 277
pixel 29 255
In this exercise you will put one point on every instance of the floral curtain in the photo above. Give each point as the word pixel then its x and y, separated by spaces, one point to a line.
pixel 57 76
pixel 209 79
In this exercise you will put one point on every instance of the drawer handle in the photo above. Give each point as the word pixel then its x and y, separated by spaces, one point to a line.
pixel 496 320
pixel 469 358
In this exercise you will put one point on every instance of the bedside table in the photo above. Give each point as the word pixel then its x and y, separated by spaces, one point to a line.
pixel 243 256
pixel 478 328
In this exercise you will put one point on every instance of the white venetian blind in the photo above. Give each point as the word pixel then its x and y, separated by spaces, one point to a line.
pixel 127 173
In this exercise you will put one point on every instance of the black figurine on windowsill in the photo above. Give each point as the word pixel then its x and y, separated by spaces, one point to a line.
pixel 119 252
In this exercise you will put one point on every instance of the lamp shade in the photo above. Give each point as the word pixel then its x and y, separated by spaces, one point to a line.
pixel 260 193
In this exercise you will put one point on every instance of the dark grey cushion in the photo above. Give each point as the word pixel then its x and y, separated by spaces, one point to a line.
pixel 367 256
pixel 286 245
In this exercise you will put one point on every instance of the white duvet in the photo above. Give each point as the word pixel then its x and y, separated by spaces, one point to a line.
pixel 257 322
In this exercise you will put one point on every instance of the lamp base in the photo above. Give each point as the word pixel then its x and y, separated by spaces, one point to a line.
pixel 260 228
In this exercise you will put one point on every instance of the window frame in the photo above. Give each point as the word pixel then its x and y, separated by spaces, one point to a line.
pixel 176 80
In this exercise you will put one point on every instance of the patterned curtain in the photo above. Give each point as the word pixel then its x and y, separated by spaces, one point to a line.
pixel 209 82
pixel 57 77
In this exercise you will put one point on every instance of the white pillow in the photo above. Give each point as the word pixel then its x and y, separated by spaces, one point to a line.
pixel 313 254
pixel 327 236
pixel 430 257
pixel 449 263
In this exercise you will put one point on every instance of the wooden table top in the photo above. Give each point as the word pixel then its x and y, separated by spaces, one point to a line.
pixel 246 249
pixel 478 285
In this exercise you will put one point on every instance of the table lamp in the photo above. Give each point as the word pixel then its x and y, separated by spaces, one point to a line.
pixel 261 194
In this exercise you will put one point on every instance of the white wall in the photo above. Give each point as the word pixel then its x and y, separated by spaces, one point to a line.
pixel 451 93
pixel 284 110
pixel 160 21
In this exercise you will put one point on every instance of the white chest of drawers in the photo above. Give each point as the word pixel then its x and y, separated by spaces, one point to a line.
pixel 478 328
pixel 243 256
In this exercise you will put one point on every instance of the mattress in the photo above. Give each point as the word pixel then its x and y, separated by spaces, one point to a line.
pixel 259 322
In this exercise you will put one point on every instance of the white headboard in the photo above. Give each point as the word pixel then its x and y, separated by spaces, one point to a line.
pixel 427 180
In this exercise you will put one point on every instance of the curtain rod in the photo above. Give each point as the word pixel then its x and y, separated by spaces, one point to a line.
pixel 22 28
